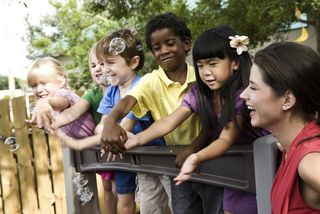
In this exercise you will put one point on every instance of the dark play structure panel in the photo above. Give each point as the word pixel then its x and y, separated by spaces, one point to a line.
pixel 235 169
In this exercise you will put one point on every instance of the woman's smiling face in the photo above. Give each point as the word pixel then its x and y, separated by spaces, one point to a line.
pixel 265 107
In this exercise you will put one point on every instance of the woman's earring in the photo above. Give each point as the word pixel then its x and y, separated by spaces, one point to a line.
pixel 284 108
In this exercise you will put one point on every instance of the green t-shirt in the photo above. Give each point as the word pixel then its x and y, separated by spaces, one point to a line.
pixel 94 96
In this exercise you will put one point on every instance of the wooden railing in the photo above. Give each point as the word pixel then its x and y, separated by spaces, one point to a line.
pixel 32 177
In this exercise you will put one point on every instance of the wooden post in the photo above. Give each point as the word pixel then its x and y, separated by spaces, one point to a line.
pixel 9 181
pixel 24 156
pixel 44 183
pixel 57 175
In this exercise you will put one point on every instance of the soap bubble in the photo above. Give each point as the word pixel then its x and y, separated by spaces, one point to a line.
pixel 32 107
pixel 80 180
pixel 105 80
pixel 84 195
pixel 12 143
pixel 117 46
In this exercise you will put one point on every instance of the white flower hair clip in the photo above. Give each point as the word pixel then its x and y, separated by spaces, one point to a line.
pixel 240 43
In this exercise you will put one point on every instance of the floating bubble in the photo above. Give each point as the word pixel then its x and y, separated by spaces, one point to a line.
pixel 117 46
pixel 105 80
pixel 84 195
pixel 12 143
pixel 32 107
pixel 80 180
pixel 10 140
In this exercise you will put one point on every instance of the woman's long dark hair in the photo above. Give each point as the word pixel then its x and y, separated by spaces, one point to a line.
pixel 215 43
pixel 289 66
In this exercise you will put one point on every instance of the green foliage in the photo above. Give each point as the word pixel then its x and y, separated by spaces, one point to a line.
pixel 77 26
pixel 260 21
pixel 70 32
pixel 4 84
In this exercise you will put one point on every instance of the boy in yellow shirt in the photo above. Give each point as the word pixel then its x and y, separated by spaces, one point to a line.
pixel 160 93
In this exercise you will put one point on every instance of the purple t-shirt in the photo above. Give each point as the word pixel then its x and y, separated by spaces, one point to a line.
pixel 247 135
pixel 82 127
pixel 233 201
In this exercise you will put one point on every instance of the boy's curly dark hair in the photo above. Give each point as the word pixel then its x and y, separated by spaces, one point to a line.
pixel 167 20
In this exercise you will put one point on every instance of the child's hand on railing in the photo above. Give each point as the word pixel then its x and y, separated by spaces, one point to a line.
pixel 42 114
pixel 110 155
pixel 132 141
pixel 113 137
pixel 181 157
pixel 187 169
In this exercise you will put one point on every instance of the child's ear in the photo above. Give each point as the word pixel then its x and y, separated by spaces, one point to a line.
pixel 187 44
pixel 235 65
pixel 134 62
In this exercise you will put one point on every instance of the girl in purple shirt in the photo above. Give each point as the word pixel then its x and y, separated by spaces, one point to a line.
pixel 222 66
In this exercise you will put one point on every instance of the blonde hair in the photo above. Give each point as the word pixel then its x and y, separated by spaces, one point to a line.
pixel 92 51
pixel 39 64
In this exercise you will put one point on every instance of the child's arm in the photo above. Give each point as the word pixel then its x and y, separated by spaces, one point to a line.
pixel 159 128
pixel 200 142
pixel 128 124
pixel 71 114
pixel 217 148
pixel 113 135
pixel 91 141
pixel 78 144
pixel 58 103
pixel 42 115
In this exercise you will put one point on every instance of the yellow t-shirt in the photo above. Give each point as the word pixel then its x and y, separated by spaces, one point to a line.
pixel 156 93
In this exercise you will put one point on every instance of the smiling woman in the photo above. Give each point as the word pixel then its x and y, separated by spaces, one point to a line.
pixel 283 97
pixel 262 98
